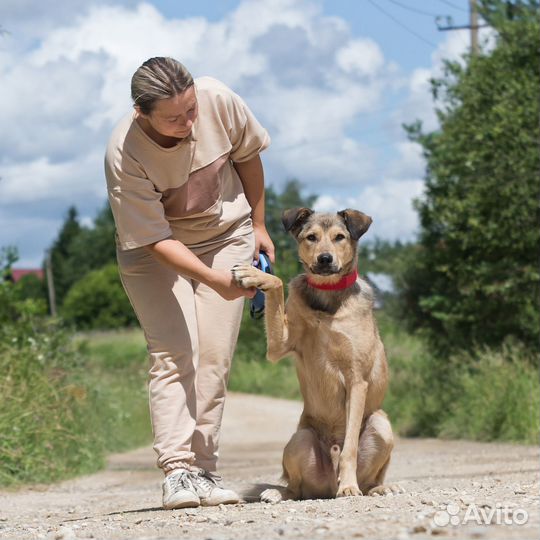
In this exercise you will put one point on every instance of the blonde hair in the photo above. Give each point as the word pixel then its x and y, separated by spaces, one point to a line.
pixel 158 78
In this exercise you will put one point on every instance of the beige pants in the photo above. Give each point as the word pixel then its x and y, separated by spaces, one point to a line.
pixel 191 334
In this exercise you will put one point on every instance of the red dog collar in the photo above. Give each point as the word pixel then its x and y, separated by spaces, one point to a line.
pixel 346 281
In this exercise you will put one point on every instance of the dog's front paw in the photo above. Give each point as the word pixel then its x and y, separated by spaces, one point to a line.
pixel 389 489
pixel 350 490
pixel 248 276
pixel 272 496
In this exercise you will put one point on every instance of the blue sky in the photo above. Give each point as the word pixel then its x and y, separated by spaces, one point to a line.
pixel 332 80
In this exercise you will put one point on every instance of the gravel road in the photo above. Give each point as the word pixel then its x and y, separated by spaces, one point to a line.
pixel 455 489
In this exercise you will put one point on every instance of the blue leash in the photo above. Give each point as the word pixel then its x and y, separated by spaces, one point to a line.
pixel 256 304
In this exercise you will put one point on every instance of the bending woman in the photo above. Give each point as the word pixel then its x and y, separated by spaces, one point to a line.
pixel 186 188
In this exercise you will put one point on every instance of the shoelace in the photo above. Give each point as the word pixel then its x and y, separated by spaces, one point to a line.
pixel 182 480
pixel 204 481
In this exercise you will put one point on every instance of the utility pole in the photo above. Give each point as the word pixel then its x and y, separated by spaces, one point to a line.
pixel 473 19
pixel 50 283
pixel 473 26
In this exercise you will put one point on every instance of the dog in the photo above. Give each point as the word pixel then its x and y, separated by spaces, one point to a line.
pixel 344 439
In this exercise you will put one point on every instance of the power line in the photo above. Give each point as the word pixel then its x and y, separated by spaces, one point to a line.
pixel 473 26
pixel 453 6
pixel 414 10
pixel 402 25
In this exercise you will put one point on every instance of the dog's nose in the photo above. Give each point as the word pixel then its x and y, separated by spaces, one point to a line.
pixel 325 258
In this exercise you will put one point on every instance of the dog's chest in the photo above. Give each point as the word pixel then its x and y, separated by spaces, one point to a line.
pixel 326 350
pixel 322 336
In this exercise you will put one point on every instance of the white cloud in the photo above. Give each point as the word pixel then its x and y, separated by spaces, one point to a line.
pixel 361 56
pixel 63 96
pixel 388 202
pixel 409 164
pixel 303 73
pixel 44 180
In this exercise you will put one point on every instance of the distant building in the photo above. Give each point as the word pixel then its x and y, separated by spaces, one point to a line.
pixel 382 285
pixel 17 274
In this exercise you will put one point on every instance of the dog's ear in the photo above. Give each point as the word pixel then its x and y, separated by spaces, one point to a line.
pixel 357 223
pixel 294 219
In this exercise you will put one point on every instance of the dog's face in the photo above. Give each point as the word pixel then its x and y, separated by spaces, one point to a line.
pixel 327 243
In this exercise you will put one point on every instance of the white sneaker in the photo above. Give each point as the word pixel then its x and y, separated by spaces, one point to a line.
pixel 179 491
pixel 211 491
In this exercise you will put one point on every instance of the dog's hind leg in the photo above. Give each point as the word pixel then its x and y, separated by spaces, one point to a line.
pixel 307 468
pixel 374 450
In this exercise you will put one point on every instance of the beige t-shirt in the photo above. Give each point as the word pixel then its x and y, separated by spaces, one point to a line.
pixel 191 191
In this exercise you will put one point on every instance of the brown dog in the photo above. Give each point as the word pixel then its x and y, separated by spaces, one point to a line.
pixel 344 440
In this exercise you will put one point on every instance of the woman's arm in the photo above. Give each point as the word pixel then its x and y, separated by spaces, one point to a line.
pixel 252 177
pixel 177 256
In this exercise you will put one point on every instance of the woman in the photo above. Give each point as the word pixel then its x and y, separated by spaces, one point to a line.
pixel 186 188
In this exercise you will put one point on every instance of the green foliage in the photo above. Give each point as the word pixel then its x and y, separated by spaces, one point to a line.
pixel 382 257
pixel 16 309
pixel 94 247
pixel 482 395
pixel 64 268
pixel 40 408
pixel 98 301
pixel 46 419
pixel 79 250
pixel 62 407
pixel 117 371
pixel 473 279
pixel 30 287
pixel 499 397
pixel 252 373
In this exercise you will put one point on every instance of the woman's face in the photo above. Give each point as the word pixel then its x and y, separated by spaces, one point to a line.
pixel 174 117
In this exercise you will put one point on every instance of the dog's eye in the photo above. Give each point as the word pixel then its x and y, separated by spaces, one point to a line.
pixel 339 237
pixel 311 238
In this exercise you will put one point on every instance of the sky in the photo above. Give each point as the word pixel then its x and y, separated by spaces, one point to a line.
pixel 333 81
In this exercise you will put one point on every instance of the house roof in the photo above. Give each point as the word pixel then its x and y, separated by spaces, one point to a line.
pixel 18 273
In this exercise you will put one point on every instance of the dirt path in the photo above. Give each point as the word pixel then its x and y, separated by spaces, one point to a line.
pixel 124 501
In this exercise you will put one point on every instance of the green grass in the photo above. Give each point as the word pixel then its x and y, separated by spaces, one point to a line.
pixel 252 373
pixel 66 402
pixel 117 368
pixel 487 395
pixel 499 397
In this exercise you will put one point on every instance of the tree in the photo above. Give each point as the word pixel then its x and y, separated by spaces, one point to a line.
pixel 94 247
pixel 98 301
pixel 79 250
pixel 65 272
pixel 473 279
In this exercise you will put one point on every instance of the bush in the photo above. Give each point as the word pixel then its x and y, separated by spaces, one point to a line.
pixel 46 419
pixel 63 406
pixel 30 287
pixel 487 394
pixel 98 301
pixel 499 397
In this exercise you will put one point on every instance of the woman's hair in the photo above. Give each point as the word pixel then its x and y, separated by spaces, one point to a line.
pixel 158 78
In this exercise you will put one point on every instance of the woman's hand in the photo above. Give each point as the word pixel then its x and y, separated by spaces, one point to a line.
pixel 222 282
pixel 263 242
pixel 177 256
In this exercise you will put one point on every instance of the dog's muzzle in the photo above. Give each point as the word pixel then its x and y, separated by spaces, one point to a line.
pixel 325 265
